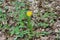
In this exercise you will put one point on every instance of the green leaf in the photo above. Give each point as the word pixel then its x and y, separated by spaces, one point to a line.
pixel 45 15
pixel 44 33
pixel 51 21
pixel 0 11
pixel 22 14
pixel 12 32
pixel 45 25
pixel 17 30
pixel 6 7
pixel 0 25
pixel 22 4
pixel 21 34
pixel 19 3
pixel 1 0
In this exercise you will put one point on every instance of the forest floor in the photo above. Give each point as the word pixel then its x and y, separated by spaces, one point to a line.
pixel 42 22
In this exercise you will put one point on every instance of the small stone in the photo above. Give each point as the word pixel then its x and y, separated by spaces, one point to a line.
pixel 31 0
pixel 44 38
pixel 42 11
pixel 19 0
pixel 35 11
pixel 42 29
pixel 58 7
pixel 56 30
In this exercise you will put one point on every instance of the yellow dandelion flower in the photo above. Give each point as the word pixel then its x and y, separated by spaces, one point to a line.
pixel 29 13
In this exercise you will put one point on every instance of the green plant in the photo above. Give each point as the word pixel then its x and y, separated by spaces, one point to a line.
pixel 17 15
pixel 50 16
pixel 58 37
pixel 47 14
pixel 42 33
pixel 42 24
